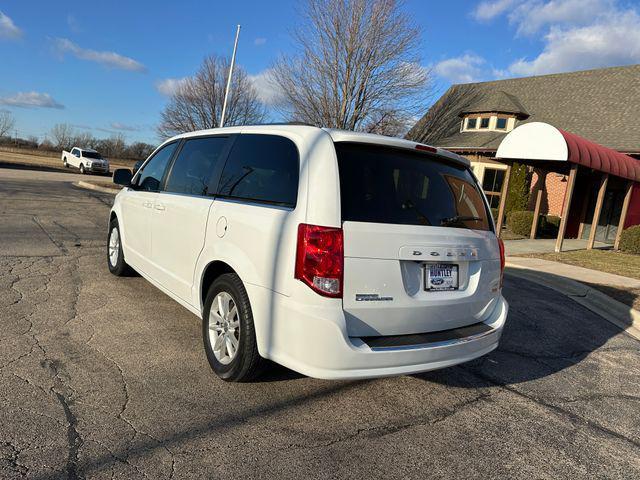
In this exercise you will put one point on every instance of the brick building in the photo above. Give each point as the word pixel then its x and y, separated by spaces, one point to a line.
pixel 600 106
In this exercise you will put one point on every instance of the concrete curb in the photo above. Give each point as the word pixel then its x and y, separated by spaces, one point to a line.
pixel 617 313
pixel 98 188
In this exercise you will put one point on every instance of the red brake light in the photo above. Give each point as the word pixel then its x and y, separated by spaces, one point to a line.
pixel 320 259
pixel 502 259
pixel 426 148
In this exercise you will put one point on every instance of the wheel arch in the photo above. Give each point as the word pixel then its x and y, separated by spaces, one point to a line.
pixel 212 271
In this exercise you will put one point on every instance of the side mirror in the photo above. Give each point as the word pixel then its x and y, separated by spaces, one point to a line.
pixel 122 176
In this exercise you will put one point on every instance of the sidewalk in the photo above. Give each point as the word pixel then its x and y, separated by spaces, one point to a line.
pixel 571 281
pixel 579 274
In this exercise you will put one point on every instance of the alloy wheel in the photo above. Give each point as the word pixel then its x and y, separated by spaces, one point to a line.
pixel 224 327
pixel 114 246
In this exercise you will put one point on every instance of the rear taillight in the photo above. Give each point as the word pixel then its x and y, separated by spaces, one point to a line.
pixel 502 260
pixel 320 259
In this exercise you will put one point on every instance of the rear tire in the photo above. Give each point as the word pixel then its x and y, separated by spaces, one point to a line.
pixel 228 331
pixel 64 162
pixel 115 254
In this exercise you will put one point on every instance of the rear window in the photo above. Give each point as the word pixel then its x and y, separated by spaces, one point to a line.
pixel 87 154
pixel 388 185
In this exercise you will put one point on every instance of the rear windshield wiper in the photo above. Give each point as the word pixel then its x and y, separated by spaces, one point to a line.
pixel 458 219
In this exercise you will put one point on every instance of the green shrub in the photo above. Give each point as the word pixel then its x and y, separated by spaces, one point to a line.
pixel 519 222
pixel 553 220
pixel 519 184
pixel 630 240
pixel 549 226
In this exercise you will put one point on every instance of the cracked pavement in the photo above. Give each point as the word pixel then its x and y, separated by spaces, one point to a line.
pixel 105 377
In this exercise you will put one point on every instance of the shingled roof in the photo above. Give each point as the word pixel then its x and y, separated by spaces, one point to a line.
pixel 497 101
pixel 601 105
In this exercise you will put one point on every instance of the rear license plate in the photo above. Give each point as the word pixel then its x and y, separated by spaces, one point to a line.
pixel 440 276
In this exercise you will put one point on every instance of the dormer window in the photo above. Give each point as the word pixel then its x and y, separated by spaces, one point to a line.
pixel 496 122
pixel 493 111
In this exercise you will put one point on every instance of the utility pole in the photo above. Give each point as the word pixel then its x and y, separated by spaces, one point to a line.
pixel 226 91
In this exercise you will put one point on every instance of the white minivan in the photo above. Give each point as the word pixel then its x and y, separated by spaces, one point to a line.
pixel 336 254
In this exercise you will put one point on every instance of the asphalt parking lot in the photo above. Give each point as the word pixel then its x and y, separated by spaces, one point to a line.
pixel 104 377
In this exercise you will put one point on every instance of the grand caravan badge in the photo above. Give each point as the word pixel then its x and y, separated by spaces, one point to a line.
pixel 372 297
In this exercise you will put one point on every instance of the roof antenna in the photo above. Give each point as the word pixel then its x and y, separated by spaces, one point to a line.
pixel 226 91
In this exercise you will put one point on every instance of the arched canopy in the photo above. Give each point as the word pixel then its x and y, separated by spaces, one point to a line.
pixel 541 141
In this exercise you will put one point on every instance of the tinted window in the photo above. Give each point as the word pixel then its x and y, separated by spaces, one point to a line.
pixel 86 154
pixel 263 168
pixel 151 175
pixel 386 185
pixel 492 181
pixel 192 170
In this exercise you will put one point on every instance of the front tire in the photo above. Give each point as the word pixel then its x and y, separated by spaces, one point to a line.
pixel 115 255
pixel 82 172
pixel 228 331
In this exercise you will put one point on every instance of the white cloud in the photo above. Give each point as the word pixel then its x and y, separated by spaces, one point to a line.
pixel 490 9
pixel 532 16
pixel 169 86
pixel 31 100
pixel 463 69
pixel 8 29
pixel 109 59
pixel 268 92
pixel 613 39
pixel 260 41
pixel 125 127
pixel 73 23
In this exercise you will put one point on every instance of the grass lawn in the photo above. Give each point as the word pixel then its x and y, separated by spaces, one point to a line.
pixel 624 264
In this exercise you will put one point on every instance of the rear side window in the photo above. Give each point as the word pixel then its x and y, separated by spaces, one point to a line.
pixel 193 168
pixel 95 155
pixel 262 168
pixel 387 185
pixel 153 171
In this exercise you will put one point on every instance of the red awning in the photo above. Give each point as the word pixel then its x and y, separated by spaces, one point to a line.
pixel 595 156
pixel 537 141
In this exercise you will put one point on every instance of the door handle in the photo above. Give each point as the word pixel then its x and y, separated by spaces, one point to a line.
pixel 159 206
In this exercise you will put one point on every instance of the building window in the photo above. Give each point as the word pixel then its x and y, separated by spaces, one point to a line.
pixel 501 123
pixel 471 123
pixel 492 185
pixel 484 122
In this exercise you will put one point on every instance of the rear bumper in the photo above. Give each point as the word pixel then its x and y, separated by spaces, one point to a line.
pixel 313 341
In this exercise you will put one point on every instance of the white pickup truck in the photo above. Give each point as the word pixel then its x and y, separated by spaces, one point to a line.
pixel 86 160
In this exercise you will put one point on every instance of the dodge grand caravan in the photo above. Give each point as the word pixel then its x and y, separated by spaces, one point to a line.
pixel 336 254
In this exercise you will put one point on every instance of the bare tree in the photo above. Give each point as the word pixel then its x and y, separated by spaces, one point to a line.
pixel 443 118
pixel 114 146
pixel 197 102
pixel 357 61
pixel 83 140
pixel 63 136
pixel 7 122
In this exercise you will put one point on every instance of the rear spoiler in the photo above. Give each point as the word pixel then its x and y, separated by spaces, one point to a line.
pixel 372 139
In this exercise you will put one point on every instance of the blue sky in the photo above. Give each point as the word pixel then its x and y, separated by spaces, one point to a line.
pixel 103 66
